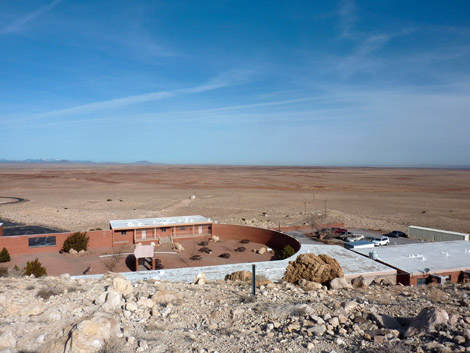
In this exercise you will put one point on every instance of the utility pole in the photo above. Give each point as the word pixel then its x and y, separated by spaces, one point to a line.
pixel 325 212
pixel 305 208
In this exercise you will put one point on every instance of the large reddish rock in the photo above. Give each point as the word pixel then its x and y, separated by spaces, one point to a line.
pixel 310 267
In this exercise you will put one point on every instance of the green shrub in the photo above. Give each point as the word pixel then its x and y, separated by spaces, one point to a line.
pixel 288 251
pixel 77 241
pixel 35 268
pixel 4 255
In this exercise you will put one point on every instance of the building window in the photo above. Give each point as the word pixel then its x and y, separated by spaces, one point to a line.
pixel 421 282
pixel 123 232
pixel 163 230
pixel 41 242
pixel 181 228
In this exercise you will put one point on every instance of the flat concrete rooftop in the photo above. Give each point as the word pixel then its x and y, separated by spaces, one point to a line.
pixel 436 256
pixel 353 265
pixel 157 222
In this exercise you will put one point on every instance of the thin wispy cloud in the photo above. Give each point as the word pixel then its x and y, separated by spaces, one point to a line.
pixel 347 17
pixel 109 104
pixel 223 80
pixel 21 23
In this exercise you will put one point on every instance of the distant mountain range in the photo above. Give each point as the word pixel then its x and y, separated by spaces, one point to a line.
pixel 65 161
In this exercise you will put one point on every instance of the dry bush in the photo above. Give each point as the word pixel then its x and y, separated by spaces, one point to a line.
pixel 46 293
pixel 112 346
pixel 436 295
pixel 113 261
pixel 3 272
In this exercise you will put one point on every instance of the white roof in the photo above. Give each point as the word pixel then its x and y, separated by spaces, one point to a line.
pixel 352 264
pixel 157 222
pixel 436 257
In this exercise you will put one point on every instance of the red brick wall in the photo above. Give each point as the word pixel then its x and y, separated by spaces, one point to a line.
pixel 120 238
pixel 269 237
pixel 454 277
pixel 18 245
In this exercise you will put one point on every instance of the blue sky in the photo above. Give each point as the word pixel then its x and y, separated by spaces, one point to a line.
pixel 236 82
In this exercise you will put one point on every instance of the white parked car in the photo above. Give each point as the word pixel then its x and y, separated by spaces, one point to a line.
pixel 354 237
pixel 383 240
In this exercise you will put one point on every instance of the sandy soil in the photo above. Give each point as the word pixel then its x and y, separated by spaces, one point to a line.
pixel 81 197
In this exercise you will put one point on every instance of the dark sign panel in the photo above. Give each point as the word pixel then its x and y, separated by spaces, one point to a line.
pixel 42 241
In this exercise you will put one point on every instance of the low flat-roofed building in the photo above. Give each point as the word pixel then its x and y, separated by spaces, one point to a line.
pixel 353 265
pixel 159 229
pixel 430 234
pixel 423 263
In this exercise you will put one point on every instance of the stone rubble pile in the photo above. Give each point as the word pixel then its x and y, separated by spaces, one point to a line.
pixel 111 314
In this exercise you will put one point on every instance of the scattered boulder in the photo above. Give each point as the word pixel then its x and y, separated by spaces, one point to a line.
pixel 200 279
pixel 359 282
pixel 239 276
pixel 339 283
pixel 309 285
pixel 7 340
pixel 146 303
pixel 113 301
pixel 122 285
pixel 73 252
pixel 427 320
pixel 177 247
pixel 385 321
pixel 165 297
pixel 90 334
pixel 261 251
pixel 214 238
pixel 320 269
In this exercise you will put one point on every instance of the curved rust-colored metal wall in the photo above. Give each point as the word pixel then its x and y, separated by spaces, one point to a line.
pixel 271 238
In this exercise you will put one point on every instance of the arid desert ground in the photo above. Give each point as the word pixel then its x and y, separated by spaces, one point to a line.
pixel 82 197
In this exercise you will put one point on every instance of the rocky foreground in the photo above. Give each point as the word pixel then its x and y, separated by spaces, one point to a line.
pixel 60 314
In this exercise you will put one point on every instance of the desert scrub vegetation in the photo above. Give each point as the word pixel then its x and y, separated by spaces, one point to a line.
pixel 46 293
pixel 4 255
pixel 288 251
pixel 77 241
pixel 35 268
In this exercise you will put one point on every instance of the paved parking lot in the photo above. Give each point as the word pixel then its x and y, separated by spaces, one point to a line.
pixel 375 234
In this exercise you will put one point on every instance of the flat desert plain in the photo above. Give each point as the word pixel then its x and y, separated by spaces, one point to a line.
pixel 82 197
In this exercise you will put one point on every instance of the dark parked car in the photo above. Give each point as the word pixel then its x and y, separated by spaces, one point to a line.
pixel 396 234
pixel 340 231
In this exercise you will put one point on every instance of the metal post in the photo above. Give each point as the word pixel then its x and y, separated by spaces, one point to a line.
pixel 253 279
